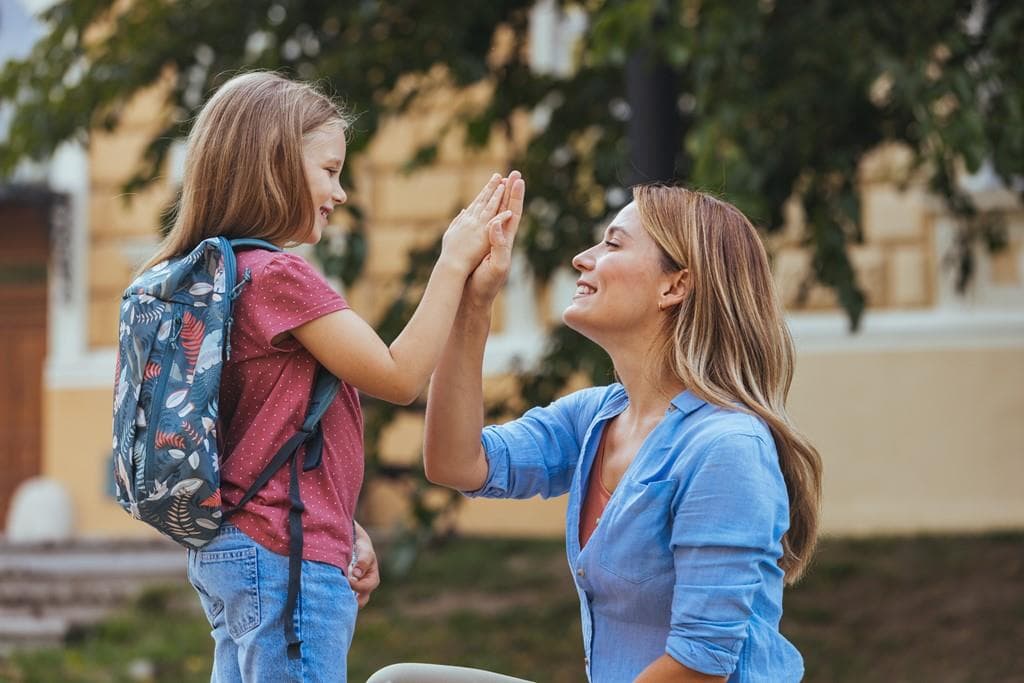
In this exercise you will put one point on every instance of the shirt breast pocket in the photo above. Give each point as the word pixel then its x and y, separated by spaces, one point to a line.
pixel 638 527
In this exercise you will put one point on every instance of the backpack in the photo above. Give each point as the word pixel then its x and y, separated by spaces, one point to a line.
pixel 173 339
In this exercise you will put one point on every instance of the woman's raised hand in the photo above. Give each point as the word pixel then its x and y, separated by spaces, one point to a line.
pixel 489 277
pixel 466 240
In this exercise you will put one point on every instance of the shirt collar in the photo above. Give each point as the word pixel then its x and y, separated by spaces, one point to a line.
pixel 686 402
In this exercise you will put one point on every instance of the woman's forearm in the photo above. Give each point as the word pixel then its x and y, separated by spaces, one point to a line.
pixel 665 669
pixel 452 453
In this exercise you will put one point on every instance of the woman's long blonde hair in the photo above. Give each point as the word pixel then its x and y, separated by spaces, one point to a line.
pixel 244 175
pixel 728 342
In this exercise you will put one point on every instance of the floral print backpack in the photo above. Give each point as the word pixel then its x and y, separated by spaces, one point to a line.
pixel 173 339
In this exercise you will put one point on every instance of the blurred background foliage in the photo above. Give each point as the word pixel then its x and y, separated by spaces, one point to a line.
pixel 758 100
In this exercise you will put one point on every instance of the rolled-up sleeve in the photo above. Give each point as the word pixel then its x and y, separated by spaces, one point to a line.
pixel 726 533
pixel 537 453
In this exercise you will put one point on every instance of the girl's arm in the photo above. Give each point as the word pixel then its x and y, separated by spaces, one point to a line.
pixel 347 346
pixel 452 453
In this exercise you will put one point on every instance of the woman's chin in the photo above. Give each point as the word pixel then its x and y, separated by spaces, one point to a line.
pixel 574 318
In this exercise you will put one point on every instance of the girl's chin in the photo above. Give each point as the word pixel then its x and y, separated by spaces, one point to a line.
pixel 315 234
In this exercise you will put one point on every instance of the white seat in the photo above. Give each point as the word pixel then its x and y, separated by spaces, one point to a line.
pixel 411 672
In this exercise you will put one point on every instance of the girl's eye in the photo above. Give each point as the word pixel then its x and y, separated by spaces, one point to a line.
pixel 611 244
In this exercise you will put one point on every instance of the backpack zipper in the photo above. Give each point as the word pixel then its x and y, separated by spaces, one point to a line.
pixel 234 293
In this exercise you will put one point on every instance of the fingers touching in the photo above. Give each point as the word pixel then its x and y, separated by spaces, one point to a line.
pixel 486 194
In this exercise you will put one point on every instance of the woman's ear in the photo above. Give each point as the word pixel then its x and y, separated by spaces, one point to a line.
pixel 676 289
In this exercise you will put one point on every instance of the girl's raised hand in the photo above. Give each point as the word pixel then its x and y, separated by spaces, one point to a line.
pixel 489 277
pixel 466 241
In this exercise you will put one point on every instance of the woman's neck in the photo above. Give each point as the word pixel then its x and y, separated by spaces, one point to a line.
pixel 650 388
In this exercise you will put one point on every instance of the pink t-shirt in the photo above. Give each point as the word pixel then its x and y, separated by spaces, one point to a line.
pixel 264 396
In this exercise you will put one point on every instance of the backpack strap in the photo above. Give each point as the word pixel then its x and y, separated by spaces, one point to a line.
pixel 325 388
pixel 252 243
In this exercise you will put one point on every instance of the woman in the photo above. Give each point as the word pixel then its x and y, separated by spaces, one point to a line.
pixel 692 498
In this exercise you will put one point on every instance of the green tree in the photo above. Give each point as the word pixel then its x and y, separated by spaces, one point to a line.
pixel 760 100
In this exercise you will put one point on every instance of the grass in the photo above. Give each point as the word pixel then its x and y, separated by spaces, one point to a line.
pixel 935 609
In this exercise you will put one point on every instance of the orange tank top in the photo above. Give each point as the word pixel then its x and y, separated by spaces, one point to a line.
pixel 596 498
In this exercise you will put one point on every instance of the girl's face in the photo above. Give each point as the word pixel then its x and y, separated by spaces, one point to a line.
pixel 323 155
pixel 621 282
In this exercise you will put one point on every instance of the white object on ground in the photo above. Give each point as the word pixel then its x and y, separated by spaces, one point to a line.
pixel 40 512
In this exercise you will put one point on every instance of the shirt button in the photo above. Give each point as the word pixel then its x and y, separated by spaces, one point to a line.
pixel 580 572
pixel 586 661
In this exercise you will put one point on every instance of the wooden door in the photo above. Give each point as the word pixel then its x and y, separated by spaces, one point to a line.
pixel 24 252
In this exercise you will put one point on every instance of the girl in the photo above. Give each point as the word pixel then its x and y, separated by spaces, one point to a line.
pixel 264 160
pixel 692 498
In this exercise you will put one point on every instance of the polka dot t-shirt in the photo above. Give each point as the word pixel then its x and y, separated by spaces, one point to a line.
pixel 264 396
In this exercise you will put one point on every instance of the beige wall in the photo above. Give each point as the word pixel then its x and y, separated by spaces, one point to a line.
pixel 121 227
pixel 77 454
pixel 918 439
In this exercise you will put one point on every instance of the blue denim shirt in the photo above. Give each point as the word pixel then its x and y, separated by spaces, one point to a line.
pixel 685 558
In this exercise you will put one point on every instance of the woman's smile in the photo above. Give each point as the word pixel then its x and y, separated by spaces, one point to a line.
pixel 583 289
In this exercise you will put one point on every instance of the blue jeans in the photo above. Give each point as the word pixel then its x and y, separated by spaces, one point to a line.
pixel 243 587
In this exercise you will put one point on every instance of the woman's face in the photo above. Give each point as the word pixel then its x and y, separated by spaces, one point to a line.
pixel 323 155
pixel 621 281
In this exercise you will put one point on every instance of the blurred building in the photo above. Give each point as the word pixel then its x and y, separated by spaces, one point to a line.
pixel 919 416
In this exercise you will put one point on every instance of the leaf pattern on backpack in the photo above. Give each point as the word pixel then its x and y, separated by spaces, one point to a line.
pixel 152 370
pixel 179 518
pixel 192 329
pixel 209 353
pixel 167 440
pixel 193 434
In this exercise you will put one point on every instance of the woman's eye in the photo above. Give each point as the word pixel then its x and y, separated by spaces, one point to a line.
pixel 611 244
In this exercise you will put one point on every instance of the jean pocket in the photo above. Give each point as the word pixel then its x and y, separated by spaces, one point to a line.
pixel 232 577
pixel 637 529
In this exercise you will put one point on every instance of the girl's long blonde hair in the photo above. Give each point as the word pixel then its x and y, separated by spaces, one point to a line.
pixel 728 341
pixel 244 175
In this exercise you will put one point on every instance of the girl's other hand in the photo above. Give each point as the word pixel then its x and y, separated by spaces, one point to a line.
pixel 489 277
pixel 364 572
pixel 466 240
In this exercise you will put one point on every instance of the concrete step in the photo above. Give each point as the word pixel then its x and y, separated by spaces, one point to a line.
pixel 23 632
pixel 69 590
pixel 47 589
pixel 127 558
pixel 27 628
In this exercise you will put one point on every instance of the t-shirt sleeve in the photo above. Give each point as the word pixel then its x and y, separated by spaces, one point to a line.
pixel 287 292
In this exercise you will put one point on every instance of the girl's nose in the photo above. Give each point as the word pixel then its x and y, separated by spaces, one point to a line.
pixel 340 196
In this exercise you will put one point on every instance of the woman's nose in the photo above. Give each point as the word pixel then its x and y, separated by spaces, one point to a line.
pixel 340 196
pixel 582 261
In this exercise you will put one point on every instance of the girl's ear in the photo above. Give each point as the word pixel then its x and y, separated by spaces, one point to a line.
pixel 677 288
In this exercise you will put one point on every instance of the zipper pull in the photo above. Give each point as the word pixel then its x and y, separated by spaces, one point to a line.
pixel 175 330
pixel 246 279
pixel 227 338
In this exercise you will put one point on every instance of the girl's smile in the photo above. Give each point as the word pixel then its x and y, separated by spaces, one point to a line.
pixel 323 156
